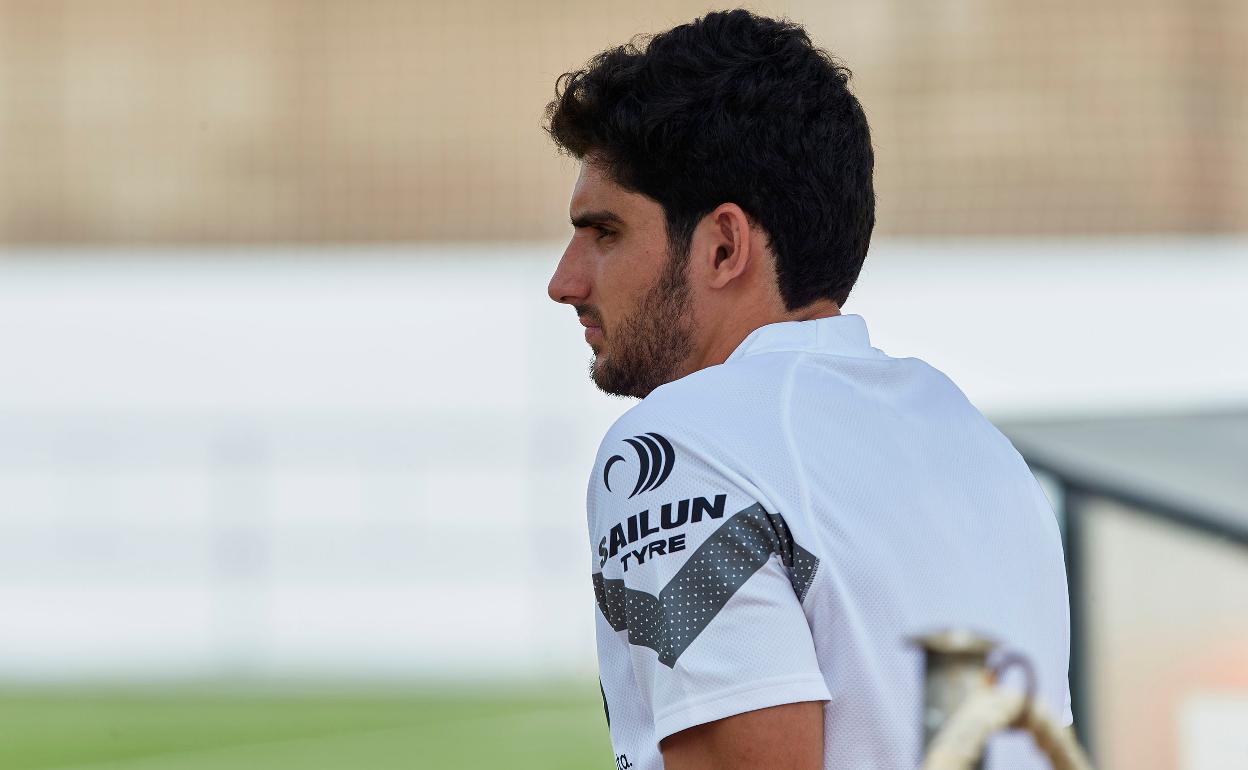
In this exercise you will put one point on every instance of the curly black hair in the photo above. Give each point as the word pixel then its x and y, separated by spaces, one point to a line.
pixel 734 107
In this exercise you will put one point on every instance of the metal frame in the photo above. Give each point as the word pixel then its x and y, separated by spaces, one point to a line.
pixel 1077 488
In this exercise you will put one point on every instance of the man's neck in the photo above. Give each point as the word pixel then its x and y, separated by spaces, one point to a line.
pixel 730 337
pixel 823 308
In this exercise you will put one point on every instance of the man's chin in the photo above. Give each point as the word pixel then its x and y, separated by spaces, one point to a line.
pixel 603 377
pixel 597 371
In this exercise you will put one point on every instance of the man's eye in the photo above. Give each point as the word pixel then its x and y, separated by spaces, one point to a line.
pixel 604 232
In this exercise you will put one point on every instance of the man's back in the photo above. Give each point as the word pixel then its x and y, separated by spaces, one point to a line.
pixel 774 529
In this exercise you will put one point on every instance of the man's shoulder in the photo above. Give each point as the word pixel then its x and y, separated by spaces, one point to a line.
pixel 750 392
pixel 716 401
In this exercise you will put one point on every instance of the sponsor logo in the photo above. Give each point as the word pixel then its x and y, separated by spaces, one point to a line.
pixel 642 525
pixel 655 459
pixel 669 621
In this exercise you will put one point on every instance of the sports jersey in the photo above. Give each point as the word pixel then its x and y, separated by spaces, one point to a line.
pixel 776 528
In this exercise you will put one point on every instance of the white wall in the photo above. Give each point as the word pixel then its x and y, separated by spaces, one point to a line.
pixel 372 462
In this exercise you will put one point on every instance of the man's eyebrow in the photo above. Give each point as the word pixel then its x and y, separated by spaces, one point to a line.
pixel 591 218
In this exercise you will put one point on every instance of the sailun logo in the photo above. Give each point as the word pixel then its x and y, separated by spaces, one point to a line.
pixel 655 460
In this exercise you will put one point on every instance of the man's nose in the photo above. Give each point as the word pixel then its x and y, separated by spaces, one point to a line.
pixel 568 285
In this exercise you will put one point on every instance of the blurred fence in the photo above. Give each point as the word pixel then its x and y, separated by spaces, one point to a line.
pixel 271 468
pixel 314 546
pixel 126 121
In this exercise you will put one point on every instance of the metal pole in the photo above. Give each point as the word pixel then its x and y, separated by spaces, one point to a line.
pixel 1074 511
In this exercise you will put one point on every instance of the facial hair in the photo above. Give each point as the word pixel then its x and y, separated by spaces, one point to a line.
pixel 647 349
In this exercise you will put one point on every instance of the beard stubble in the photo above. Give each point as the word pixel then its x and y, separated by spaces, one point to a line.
pixel 648 348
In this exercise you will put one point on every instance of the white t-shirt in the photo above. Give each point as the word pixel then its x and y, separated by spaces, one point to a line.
pixel 775 528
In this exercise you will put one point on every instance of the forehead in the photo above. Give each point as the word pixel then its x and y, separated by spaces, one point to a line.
pixel 595 190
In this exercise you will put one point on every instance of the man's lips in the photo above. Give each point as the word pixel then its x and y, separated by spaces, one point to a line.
pixel 593 333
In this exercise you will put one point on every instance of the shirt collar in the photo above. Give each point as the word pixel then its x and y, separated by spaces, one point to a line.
pixel 841 335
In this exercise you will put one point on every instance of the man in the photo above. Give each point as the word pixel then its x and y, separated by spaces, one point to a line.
pixel 787 505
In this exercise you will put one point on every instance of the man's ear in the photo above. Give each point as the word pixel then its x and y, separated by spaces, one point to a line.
pixel 723 244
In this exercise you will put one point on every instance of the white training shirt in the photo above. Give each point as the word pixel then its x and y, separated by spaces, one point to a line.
pixel 775 528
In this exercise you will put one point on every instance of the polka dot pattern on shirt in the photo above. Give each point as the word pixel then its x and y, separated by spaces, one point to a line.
pixel 668 623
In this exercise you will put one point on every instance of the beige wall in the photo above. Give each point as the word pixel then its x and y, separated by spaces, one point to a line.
pixel 338 120
pixel 1167 621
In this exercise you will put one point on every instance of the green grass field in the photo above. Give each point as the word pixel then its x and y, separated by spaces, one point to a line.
pixel 562 730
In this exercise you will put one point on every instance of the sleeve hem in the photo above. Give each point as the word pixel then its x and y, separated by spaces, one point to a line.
pixel 738 700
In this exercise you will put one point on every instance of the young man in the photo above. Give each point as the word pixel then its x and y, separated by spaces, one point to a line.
pixel 787 505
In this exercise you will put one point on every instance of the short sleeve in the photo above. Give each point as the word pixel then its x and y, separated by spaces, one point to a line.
pixel 698 578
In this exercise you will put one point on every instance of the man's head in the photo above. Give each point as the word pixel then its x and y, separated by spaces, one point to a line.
pixel 725 184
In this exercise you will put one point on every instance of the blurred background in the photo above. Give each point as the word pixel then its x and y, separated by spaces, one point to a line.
pixel 293 446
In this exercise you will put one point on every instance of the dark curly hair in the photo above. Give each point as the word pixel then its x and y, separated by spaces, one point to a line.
pixel 734 107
